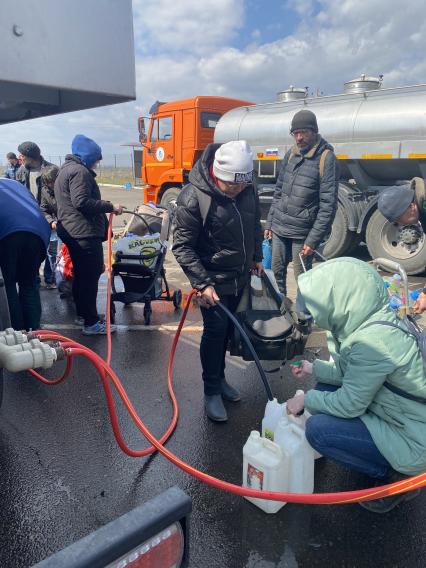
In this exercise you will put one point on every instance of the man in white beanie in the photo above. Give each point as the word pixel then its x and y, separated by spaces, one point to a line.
pixel 218 243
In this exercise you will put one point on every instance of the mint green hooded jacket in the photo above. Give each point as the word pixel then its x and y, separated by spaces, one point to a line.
pixel 343 295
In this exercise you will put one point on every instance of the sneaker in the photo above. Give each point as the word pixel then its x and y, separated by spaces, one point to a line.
pixel 98 328
pixel 386 504
pixel 79 320
pixel 50 286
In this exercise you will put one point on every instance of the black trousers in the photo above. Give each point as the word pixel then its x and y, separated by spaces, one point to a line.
pixel 214 341
pixel 21 254
pixel 88 259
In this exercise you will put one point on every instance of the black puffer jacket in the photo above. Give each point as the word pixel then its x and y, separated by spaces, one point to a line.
pixel 220 252
pixel 81 211
pixel 304 204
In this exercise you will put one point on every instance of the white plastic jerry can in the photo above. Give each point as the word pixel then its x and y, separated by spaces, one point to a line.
pixel 273 413
pixel 301 422
pixel 291 439
pixel 265 467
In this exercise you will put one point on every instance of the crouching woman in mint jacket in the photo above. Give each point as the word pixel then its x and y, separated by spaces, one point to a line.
pixel 357 420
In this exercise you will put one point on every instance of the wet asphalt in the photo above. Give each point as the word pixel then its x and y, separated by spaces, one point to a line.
pixel 63 474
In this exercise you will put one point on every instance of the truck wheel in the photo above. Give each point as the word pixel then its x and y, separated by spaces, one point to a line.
pixel 406 245
pixel 340 239
pixel 169 196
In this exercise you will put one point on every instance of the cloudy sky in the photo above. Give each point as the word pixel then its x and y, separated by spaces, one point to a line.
pixel 247 49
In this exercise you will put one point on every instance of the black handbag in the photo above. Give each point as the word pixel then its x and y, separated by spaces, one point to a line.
pixel 275 332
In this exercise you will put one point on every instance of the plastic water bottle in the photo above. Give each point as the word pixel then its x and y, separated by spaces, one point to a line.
pixel 267 253
pixel 273 413
pixel 265 467
pixel 414 296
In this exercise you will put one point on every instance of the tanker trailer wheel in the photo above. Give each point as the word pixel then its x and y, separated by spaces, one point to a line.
pixel 170 196
pixel 341 239
pixel 405 245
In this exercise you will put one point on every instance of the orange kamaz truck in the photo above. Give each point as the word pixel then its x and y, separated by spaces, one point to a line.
pixel 173 137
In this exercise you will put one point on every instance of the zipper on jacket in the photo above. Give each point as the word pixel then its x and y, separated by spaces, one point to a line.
pixel 244 247
pixel 242 232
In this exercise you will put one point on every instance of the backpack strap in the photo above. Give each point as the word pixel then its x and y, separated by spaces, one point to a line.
pixel 322 162
pixel 390 324
pixel 388 385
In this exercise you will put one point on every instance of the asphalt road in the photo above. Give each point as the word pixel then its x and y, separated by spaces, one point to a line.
pixel 64 476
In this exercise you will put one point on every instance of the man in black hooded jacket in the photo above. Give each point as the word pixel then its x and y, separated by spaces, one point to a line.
pixel 217 242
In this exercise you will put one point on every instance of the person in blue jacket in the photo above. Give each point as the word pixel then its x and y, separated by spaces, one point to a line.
pixel 24 238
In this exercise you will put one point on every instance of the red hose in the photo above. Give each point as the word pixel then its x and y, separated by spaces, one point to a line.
pixel 106 374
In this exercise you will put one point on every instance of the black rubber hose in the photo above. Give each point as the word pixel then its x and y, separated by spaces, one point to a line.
pixel 251 348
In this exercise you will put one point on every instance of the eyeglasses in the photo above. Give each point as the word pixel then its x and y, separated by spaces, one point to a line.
pixel 301 132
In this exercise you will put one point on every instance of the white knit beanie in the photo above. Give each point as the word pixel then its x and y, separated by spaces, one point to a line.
pixel 233 162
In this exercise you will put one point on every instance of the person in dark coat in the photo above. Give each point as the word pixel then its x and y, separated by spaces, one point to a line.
pixel 50 211
pixel 304 202
pixel 24 236
pixel 13 166
pixel 217 242
pixel 33 165
pixel 406 205
pixel 82 225
pixel 29 174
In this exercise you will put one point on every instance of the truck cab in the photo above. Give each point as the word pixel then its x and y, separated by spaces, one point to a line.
pixel 173 137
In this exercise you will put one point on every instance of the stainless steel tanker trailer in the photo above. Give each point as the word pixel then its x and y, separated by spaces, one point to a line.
pixel 379 136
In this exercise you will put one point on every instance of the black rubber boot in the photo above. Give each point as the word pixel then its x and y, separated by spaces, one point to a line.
pixel 214 408
pixel 386 504
pixel 229 392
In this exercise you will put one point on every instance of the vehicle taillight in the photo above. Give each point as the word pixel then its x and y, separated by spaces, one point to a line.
pixel 164 550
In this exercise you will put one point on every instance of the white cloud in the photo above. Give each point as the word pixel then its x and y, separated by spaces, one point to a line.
pixel 187 48
pixel 186 25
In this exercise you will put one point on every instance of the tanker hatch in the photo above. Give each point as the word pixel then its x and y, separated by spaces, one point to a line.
pixel 292 94
pixel 363 84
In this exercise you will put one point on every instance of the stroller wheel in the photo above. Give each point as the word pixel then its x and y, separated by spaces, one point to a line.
pixel 177 299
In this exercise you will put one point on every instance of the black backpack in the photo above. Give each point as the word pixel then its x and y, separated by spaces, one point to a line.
pixel 275 332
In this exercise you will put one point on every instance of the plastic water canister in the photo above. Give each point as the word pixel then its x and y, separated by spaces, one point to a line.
pixel 267 253
pixel 265 467
pixel 273 413
pixel 296 449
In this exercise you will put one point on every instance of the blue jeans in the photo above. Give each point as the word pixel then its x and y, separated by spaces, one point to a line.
pixel 214 342
pixel 284 250
pixel 346 441
pixel 50 262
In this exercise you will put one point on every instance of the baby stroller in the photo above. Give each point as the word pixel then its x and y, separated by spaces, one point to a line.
pixel 139 256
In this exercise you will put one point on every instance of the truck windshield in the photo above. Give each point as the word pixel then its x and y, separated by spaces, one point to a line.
pixel 209 119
